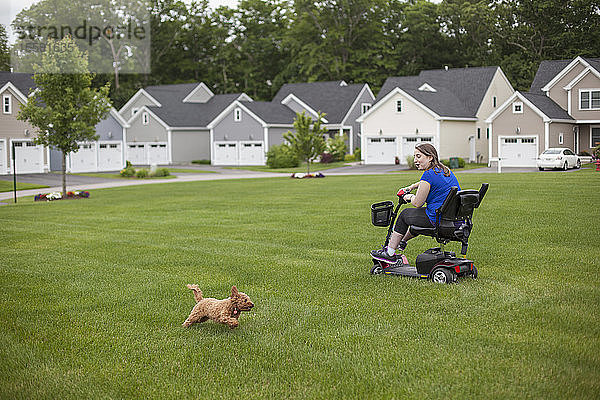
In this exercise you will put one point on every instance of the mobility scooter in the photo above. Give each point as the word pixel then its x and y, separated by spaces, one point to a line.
pixel 453 224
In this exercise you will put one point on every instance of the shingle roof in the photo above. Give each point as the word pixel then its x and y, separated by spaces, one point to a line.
pixel 548 69
pixel 332 97
pixel 459 91
pixel 174 112
pixel 23 82
pixel 271 112
pixel 547 106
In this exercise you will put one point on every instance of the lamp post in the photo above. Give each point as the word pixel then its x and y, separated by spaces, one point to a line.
pixel 14 170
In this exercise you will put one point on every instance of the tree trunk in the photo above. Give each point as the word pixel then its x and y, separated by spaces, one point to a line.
pixel 64 174
pixel 308 167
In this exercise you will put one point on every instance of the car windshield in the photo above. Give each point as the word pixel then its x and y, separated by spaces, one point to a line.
pixel 552 151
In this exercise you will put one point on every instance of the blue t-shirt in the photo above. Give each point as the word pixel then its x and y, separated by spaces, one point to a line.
pixel 440 187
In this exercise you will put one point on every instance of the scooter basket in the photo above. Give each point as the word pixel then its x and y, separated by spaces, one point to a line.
pixel 381 213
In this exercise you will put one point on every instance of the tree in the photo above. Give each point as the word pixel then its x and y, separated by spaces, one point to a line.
pixel 307 140
pixel 4 50
pixel 64 108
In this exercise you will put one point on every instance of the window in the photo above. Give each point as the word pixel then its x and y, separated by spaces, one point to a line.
pixel 487 133
pixel 561 138
pixel 237 114
pixel 478 133
pixel 511 140
pixel 398 105
pixel 518 108
pixel 145 118
pixel 528 140
pixel 589 100
pixel 364 107
pixel 595 137
pixel 494 101
pixel 6 104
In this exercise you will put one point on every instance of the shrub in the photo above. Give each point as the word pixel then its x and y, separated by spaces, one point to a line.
pixel 128 171
pixel 461 162
pixel 349 157
pixel 282 156
pixel 336 146
pixel 141 173
pixel 205 162
pixel 326 158
pixel 411 162
pixel 357 154
pixel 161 172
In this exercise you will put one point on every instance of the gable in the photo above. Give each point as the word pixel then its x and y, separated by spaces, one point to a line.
pixel 200 94
pixel 137 101
pixel 298 106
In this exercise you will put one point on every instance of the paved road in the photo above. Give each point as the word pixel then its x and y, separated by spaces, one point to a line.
pixel 78 182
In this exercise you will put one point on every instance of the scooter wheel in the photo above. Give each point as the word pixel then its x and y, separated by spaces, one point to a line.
pixel 474 272
pixel 442 275
pixel 376 269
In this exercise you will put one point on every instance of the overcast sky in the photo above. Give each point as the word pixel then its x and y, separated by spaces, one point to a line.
pixel 10 8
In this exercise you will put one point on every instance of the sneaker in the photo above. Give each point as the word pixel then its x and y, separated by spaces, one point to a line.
pixel 382 255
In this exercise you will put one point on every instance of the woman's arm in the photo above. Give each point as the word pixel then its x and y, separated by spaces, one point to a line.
pixel 412 187
pixel 418 199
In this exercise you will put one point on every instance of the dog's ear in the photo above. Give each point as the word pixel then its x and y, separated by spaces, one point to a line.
pixel 234 291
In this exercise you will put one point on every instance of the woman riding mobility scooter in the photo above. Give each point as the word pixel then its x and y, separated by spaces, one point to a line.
pixel 453 223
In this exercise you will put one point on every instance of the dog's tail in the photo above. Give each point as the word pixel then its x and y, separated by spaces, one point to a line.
pixel 197 292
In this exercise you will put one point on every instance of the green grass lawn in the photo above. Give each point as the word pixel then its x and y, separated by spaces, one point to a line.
pixel 171 170
pixel 8 186
pixel 93 294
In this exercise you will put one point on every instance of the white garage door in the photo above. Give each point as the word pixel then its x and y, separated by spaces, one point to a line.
pixel 136 153
pixel 381 150
pixel 408 146
pixel 225 153
pixel 252 153
pixel 110 157
pixel 84 160
pixel 157 153
pixel 3 155
pixel 29 157
pixel 518 151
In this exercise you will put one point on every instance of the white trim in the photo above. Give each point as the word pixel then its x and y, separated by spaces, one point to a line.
pixel 587 121
pixel 489 126
pixel 115 114
pixel 561 138
pixel 188 128
pixel 365 87
pixel 582 75
pixel 529 104
pixel 9 104
pixel 201 85
pixel 145 118
pixel 266 141
pixel 302 104
pixel 279 125
pixel 17 92
pixel 564 72
pixel 516 104
pixel 210 145
pixel 169 146
pixel 391 94
pixel 245 97
pixel 228 109
pixel 590 90
pixel 426 87
pixel 546 135
pixel 592 126
pixel 139 93
pixel 457 119
pixel 3 154
pixel 237 114
pixel 569 101
pixel 144 108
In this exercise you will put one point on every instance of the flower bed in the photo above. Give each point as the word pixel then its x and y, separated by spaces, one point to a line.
pixel 300 175
pixel 80 194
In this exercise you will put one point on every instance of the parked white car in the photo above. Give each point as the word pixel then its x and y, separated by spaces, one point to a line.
pixel 558 157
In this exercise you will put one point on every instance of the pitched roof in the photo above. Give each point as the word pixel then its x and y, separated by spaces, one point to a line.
pixel 333 97
pixel 547 106
pixel 271 112
pixel 548 69
pixel 459 91
pixel 22 81
pixel 174 112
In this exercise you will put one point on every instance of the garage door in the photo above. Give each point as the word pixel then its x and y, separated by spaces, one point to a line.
pixel 29 157
pixel 3 156
pixel 157 154
pixel 136 154
pixel 408 146
pixel 518 151
pixel 110 157
pixel 226 153
pixel 381 150
pixel 252 153
pixel 84 160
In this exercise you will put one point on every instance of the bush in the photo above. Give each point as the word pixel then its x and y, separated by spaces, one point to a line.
pixel 461 162
pixel 205 162
pixel 584 154
pixel 282 156
pixel 411 162
pixel 326 158
pixel 128 171
pixel 336 146
pixel 141 173
pixel 161 172
pixel 349 157
pixel 357 154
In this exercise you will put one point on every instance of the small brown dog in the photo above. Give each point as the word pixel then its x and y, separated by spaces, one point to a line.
pixel 225 311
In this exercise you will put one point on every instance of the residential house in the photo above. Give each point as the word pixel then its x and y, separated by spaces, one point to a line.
pixel 446 108
pixel 561 109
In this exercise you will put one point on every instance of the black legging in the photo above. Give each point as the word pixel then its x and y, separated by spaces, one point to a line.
pixel 412 216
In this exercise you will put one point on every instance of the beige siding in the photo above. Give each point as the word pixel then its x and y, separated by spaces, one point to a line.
pixel 142 100
pixel 567 131
pixel 454 139
pixel 502 90
pixel 557 93
pixel 188 146
pixel 590 81
pixel 506 123
pixel 153 132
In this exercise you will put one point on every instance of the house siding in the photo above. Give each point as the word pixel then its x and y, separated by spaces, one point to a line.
pixel 506 123
pixel 454 139
pixel 566 130
pixel 109 125
pixel 354 114
pixel 557 93
pixel 590 81
pixel 153 132
pixel 200 96
pixel 142 100
pixel 297 108
pixel 229 130
pixel 276 135
pixel 188 146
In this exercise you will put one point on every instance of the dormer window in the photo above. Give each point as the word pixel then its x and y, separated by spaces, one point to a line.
pixel 589 99
pixel 6 104
pixel 237 114
pixel 517 107
pixel 364 107
pixel 145 118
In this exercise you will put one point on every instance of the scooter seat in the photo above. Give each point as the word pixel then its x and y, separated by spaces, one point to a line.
pixel 421 230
